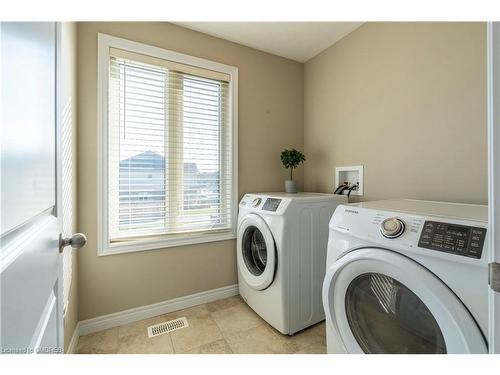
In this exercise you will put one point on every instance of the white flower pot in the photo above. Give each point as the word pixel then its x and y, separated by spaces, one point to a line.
pixel 291 186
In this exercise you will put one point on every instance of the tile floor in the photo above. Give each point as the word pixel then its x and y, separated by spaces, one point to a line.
pixel 221 327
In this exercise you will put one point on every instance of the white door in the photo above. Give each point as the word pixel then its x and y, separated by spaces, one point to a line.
pixel 494 181
pixel 256 252
pixel 30 259
pixel 378 301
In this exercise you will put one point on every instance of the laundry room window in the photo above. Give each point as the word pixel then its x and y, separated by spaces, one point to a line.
pixel 168 151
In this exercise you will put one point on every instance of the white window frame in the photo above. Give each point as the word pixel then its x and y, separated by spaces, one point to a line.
pixel 104 245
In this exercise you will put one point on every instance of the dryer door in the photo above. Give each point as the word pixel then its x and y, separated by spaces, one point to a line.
pixel 378 301
pixel 256 252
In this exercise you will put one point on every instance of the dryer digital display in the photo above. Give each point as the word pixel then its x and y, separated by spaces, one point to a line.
pixel 453 238
pixel 271 204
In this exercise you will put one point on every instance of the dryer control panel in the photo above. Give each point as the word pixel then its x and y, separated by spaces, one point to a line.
pixel 452 238
pixel 271 204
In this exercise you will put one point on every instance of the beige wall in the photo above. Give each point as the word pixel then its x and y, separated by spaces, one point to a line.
pixel 407 101
pixel 270 119
pixel 69 174
pixel 71 318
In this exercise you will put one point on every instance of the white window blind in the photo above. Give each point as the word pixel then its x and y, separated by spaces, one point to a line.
pixel 169 148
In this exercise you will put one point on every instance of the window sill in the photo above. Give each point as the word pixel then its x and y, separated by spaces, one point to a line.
pixel 155 244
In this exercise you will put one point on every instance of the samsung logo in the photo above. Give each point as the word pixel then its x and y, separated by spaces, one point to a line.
pixel 351 211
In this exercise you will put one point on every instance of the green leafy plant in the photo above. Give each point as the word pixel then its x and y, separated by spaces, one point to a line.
pixel 291 159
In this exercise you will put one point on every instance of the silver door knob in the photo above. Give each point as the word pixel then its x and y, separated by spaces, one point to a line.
pixel 76 241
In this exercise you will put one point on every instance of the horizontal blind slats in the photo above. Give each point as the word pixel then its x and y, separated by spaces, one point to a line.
pixel 141 59
pixel 169 149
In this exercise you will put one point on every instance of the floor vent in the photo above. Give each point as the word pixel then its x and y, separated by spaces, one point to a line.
pixel 166 327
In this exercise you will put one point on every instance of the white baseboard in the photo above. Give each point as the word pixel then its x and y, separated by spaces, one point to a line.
pixel 74 340
pixel 144 312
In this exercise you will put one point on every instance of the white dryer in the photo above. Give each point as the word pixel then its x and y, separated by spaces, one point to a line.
pixel 406 276
pixel 281 256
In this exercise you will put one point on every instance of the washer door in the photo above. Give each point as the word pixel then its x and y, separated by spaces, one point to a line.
pixel 256 252
pixel 378 301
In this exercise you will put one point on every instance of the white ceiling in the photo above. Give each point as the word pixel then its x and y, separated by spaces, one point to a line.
pixel 298 41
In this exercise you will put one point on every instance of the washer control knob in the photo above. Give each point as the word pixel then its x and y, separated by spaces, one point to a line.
pixel 392 227
pixel 256 202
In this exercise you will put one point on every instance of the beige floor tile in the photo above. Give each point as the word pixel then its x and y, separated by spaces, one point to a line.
pixel 100 342
pixel 223 326
pixel 202 330
pixel 139 328
pixel 236 319
pixel 223 304
pixel 317 348
pixel 140 344
pixel 216 347
pixel 200 310
pixel 259 340
pixel 315 335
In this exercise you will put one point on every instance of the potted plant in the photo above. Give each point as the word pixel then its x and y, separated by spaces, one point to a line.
pixel 291 159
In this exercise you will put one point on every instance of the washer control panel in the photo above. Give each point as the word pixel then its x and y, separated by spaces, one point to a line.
pixel 271 204
pixel 452 238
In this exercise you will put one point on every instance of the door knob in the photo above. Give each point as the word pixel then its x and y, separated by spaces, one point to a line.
pixel 76 241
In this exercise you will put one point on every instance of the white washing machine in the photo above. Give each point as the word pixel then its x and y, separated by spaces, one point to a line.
pixel 281 255
pixel 407 276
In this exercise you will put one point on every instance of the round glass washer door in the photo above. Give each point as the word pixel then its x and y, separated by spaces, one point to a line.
pixel 378 301
pixel 256 252
pixel 387 317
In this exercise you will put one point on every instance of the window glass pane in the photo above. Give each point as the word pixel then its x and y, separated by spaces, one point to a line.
pixel 169 151
pixel 202 141
pixel 142 118
pixel 387 317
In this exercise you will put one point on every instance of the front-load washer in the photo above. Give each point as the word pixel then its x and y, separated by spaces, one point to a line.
pixel 407 276
pixel 281 255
